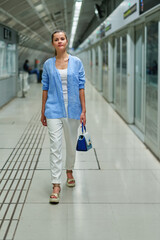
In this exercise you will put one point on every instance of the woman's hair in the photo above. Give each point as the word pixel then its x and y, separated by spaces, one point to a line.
pixel 58 31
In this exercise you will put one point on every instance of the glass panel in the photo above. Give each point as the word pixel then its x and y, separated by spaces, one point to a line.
pixel 3 70
pixel 96 67
pixel 8 59
pixel 87 63
pixel 138 75
pixel 118 74
pixel 93 66
pixel 96 51
pixel 124 75
pixel 152 81
pixel 91 63
pixel 105 69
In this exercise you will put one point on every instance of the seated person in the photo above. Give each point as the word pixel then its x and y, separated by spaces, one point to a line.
pixel 28 69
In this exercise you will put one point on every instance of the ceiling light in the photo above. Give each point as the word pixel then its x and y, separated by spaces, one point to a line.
pixel 42 14
pixel 39 7
pixel 3 18
pixel 77 9
pixel 99 11
pixel 46 18
pixel 11 23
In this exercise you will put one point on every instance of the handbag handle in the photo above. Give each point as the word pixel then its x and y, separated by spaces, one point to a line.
pixel 83 127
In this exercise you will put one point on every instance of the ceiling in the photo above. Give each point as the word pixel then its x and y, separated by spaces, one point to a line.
pixel 35 20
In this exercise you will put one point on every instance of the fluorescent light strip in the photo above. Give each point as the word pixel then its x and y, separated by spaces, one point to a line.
pixel 39 7
pixel 77 10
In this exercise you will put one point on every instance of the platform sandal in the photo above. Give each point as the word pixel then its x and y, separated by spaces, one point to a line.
pixel 54 197
pixel 70 181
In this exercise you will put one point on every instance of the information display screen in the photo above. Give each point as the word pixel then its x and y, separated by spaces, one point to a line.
pixel 145 5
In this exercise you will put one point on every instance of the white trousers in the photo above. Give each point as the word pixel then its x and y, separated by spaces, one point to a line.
pixel 55 129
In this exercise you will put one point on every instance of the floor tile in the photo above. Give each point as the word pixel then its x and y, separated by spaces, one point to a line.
pixel 7 211
pixel 54 217
pixel 156 174
pixel 142 187
pixel 15 184
pixel 115 164
pixel 91 221
pixel 106 186
pixel 85 165
pixel 137 221
pixel 5 153
pixel 14 174
pixel 13 197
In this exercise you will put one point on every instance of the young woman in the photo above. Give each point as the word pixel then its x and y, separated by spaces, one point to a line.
pixel 63 104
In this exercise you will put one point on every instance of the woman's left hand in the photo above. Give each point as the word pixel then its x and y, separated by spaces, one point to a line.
pixel 83 118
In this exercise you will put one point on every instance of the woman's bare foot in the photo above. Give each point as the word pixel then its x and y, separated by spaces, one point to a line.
pixel 54 197
pixel 56 188
pixel 70 179
pixel 69 174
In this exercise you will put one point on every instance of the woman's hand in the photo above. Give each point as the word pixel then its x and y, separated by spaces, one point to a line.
pixel 83 118
pixel 43 120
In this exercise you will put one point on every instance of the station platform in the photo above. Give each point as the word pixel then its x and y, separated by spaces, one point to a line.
pixel 117 193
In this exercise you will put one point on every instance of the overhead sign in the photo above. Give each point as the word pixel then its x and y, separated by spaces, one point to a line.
pixel 130 11
pixel 145 5
pixel 7 34
pixel 108 27
pixel 102 30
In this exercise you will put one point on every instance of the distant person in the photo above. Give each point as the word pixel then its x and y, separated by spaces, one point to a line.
pixel 63 108
pixel 154 67
pixel 28 69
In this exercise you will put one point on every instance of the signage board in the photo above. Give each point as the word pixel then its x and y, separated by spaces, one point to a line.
pixel 145 5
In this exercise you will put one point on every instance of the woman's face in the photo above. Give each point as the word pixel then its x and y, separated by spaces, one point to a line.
pixel 59 41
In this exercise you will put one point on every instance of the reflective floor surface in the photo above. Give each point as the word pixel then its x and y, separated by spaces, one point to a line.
pixel 117 193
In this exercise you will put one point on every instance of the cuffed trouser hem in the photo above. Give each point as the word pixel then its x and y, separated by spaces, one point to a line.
pixel 55 182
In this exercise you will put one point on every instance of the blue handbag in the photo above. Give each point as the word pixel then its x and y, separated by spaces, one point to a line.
pixel 84 141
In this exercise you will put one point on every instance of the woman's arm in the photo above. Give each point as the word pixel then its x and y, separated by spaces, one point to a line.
pixel 44 99
pixel 82 99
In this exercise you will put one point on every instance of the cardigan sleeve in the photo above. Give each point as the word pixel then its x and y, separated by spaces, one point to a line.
pixel 45 78
pixel 81 76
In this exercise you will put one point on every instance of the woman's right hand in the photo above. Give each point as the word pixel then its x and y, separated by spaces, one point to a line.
pixel 83 118
pixel 43 120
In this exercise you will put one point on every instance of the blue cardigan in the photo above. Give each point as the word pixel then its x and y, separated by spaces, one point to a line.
pixel 51 80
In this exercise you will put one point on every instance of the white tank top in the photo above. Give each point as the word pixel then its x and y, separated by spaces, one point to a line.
pixel 63 74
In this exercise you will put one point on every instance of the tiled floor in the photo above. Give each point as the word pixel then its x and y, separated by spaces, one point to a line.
pixel 117 193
